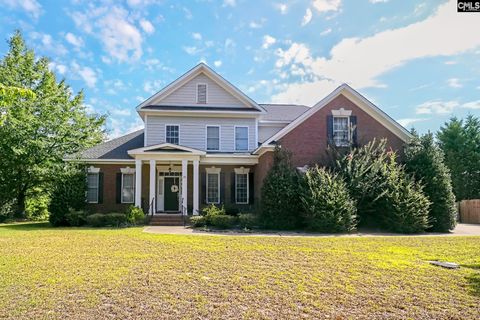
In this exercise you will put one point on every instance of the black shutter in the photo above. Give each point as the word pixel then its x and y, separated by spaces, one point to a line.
pixel 330 129
pixel 222 187
pixel 118 186
pixel 353 125
pixel 203 189
pixel 100 187
pixel 232 188
pixel 251 187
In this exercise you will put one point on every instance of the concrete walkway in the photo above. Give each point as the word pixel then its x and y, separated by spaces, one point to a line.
pixel 462 229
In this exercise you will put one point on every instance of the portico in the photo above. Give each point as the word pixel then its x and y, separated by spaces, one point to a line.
pixel 168 177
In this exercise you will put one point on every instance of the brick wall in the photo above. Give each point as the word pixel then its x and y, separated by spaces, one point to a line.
pixel 308 141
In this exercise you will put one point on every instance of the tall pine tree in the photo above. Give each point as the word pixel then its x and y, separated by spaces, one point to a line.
pixel 425 161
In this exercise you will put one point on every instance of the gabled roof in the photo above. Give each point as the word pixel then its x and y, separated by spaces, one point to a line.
pixel 282 112
pixel 166 148
pixel 362 102
pixel 198 69
pixel 115 149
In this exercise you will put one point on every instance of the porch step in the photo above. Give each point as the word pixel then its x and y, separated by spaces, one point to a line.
pixel 166 220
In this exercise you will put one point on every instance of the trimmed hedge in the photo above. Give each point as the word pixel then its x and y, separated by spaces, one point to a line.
pixel 223 221
pixel 134 215
pixel 198 221
pixel 247 220
pixel 107 219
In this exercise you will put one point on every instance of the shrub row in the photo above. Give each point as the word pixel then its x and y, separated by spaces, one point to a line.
pixel 77 218
pixel 216 217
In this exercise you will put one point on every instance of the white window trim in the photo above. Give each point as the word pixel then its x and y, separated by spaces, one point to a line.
pixel 342 112
pixel 127 170
pixel 123 175
pixel 242 171
pixel 219 136
pixel 206 92
pixel 216 171
pixel 95 171
pixel 92 169
pixel 172 125
pixel 235 137
pixel 348 130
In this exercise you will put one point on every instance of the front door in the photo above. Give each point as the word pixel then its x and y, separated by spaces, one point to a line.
pixel 171 191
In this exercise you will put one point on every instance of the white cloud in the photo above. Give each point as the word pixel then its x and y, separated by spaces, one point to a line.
pixel 229 3
pixel 147 26
pixel 123 126
pixel 268 41
pixel 358 61
pixel 406 122
pixel 32 7
pixel 217 63
pixel 307 17
pixel 327 5
pixel 326 31
pixel 197 36
pixel 152 86
pixel 191 50
pixel 282 7
pixel 74 40
pixel 255 25
pixel 48 44
pixel 378 1
pixel 450 62
pixel 445 107
pixel 454 83
pixel 60 68
pixel 87 74
pixel 115 29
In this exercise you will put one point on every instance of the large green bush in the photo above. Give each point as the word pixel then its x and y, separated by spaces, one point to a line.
pixel 326 203
pixel 385 194
pixel 198 221
pixel 403 207
pixel 68 193
pixel 36 205
pixel 280 207
pixel 424 160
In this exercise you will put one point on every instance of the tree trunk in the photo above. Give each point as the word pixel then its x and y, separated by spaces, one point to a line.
pixel 20 208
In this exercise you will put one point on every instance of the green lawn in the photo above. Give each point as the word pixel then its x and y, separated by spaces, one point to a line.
pixel 125 273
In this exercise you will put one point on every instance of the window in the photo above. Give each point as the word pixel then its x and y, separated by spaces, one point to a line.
pixel 241 138
pixel 201 93
pixel 172 134
pixel 213 138
pixel 92 187
pixel 128 187
pixel 241 188
pixel 213 187
pixel 341 132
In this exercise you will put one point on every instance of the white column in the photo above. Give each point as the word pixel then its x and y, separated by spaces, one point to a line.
pixel 184 186
pixel 195 188
pixel 153 173
pixel 138 183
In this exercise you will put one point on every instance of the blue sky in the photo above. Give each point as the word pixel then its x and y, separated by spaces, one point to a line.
pixel 417 60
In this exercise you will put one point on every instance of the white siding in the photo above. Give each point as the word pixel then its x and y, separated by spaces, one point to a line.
pixel 193 131
pixel 187 95
pixel 265 132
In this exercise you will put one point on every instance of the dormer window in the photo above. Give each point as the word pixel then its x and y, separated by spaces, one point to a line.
pixel 201 93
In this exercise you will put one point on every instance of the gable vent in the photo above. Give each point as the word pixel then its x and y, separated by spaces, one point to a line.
pixel 202 93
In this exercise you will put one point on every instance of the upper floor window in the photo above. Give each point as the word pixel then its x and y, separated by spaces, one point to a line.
pixel 201 93
pixel 213 138
pixel 172 134
pixel 92 187
pixel 241 138
pixel 341 131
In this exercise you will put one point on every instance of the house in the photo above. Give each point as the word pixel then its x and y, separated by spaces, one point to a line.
pixel 204 141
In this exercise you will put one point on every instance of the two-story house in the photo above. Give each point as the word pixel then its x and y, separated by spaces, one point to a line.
pixel 205 141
